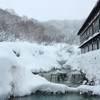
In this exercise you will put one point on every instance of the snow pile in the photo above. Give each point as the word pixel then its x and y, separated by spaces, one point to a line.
pixel 40 57
pixel 88 63
pixel 16 60
pixel 15 77
pixel 91 90
pixel 18 81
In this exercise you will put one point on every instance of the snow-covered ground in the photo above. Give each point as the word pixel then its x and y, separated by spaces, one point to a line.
pixel 88 63
pixel 17 60
pixel 18 81
pixel 40 57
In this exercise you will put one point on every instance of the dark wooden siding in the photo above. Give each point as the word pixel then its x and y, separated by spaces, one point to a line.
pixel 91 30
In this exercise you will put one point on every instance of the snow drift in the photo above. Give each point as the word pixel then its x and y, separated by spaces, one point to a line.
pixel 88 63
pixel 18 59
pixel 16 79
pixel 40 57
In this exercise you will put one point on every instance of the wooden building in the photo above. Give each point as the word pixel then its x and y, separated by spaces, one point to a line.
pixel 90 31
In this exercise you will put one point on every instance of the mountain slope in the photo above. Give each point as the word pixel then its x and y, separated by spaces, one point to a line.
pixel 68 28
pixel 16 28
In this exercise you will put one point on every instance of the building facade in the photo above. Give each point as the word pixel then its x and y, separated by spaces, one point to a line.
pixel 90 31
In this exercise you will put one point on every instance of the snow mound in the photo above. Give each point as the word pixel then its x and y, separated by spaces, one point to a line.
pixel 16 79
pixel 88 63
pixel 40 57
pixel 19 81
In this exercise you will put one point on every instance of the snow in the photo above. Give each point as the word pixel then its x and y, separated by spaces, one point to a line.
pixel 40 57
pixel 17 79
pixel 88 63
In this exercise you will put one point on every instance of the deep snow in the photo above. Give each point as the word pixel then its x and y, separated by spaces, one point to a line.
pixel 88 63
pixel 40 57
pixel 17 79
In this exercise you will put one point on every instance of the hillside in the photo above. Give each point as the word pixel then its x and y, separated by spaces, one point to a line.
pixel 68 29
pixel 16 28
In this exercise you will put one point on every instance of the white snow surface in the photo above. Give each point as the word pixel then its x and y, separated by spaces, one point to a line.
pixel 88 63
pixel 17 79
pixel 40 57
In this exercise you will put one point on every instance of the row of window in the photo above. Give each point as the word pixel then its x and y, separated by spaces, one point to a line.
pixel 93 28
pixel 91 46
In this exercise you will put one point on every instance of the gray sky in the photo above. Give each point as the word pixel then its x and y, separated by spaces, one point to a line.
pixel 44 10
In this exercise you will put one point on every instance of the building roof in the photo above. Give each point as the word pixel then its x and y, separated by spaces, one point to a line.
pixel 92 13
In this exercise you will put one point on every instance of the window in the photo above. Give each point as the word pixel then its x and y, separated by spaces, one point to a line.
pixel 90 31
pixel 96 25
pixel 99 21
pixel 82 50
pixel 95 45
pixel 87 34
pixel 90 47
pixel 99 43
pixel 86 48
pixel 83 37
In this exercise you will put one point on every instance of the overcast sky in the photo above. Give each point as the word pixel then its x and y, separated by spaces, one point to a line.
pixel 44 10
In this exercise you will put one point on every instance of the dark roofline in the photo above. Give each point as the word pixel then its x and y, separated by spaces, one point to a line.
pixel 92 13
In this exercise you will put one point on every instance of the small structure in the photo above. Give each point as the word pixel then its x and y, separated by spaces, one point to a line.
pixel 58 77
pixel 63 76
pixel 55 76
pixel 90 31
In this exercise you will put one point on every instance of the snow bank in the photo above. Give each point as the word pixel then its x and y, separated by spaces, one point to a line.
pixel 40 57
pixel 88 63
pixel 18 81
pixel 16 60
pixel 16 78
